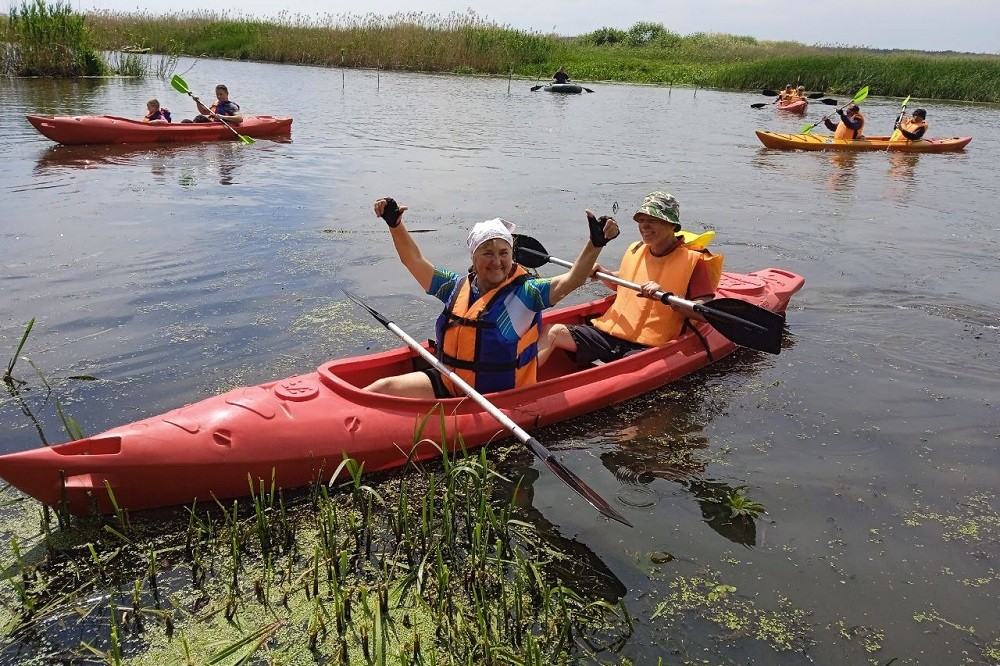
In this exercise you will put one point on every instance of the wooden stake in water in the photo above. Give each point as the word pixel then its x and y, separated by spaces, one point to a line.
pixel 509 78
pixel 343 77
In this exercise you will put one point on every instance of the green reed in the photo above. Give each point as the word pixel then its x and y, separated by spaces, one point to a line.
pixel 415 569
pixel 47 39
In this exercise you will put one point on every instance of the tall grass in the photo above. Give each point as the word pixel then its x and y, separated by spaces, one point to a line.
pixel 459 42
pixel 43 39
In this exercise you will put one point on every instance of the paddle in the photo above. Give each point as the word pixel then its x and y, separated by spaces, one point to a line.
pixel 182 87
pixel 744 323
pixel 895 128
pixel 771 93
pixel 543 454
pixel 857 99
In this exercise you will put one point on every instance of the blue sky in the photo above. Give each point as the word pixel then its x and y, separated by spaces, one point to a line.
pixel 957 25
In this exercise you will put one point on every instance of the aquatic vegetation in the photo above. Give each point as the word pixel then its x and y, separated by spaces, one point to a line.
pixel 431 569
pixel 468 43
pixel 47 39
pixel 741 506
pixel 706 597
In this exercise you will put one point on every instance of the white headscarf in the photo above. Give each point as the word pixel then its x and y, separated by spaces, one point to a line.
pixel 488 230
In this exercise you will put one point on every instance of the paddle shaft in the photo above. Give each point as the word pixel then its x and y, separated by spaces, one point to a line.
pixel 895 127
pixel 533 444
pixel 664 297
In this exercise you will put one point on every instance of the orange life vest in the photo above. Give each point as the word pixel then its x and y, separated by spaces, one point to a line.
pixel 645 320
pixel 845 132
pixel 472 346
pixel 910 125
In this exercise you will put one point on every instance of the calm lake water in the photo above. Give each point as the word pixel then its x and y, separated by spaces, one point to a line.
pixel 172 273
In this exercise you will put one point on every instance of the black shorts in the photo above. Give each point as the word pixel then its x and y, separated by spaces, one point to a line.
pixel 440 391
pixel 593 344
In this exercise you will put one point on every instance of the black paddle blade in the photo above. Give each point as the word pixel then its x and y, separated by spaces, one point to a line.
pixel 815 95
pixel 587 89
pixel 746 324
pixel 534 88
pixel 529 252
pixel 829 101
pixel 758 105
pixel 574 482
pixel 372 311
pixel 769 93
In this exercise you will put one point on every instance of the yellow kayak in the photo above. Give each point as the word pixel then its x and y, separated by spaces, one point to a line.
pixel 825 142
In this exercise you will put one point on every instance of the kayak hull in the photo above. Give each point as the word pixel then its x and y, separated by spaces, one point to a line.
pixel 565 88
pixel 798 106
pixel 81 130
pixel 824 142
pixel 299 429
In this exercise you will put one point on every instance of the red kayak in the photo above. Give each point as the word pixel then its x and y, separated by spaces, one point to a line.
pixel 302 427
pixel 798 106
pixel 79 130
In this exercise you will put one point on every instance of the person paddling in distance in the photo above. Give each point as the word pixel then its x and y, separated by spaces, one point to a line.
pixel 489 330
pixel 635 322
pixel 155 114
pixel 561 76
pixel 851 124
pixel 800 93
pixel 222 107
pixel 912 128
pixel 786 95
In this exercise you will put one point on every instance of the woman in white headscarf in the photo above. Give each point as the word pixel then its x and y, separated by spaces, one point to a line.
pixel 489 330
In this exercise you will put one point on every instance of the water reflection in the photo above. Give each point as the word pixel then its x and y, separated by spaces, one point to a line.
pixel 843 172
pixel 188 162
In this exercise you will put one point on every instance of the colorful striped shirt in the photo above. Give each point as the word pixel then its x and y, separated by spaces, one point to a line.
pixel 519 307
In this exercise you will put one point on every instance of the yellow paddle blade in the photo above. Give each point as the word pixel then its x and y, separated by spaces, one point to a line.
pixel 697 241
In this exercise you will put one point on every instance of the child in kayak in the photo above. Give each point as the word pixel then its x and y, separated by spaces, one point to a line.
pixel 488 333
pixel 156 115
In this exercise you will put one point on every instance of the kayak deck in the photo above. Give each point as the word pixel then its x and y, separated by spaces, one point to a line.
pixel 299 429
pixel 826 142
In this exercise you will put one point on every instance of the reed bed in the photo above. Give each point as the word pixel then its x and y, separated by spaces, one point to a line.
pixel 467 43
pixel 47 39
pixel 432 568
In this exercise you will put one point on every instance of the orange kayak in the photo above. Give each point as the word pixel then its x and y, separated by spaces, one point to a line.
pixel 300 428
pixel 824 142
pixel 79 130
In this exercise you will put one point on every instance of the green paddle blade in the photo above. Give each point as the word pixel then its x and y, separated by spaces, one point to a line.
pixel 179 85
pixel 905 101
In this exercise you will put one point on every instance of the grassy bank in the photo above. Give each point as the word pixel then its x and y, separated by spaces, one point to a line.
pixel 467 43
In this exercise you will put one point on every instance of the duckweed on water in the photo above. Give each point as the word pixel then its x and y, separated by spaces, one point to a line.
pixel 706 597
pixel 432 570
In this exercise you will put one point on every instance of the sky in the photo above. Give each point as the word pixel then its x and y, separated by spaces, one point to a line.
pixel 926 25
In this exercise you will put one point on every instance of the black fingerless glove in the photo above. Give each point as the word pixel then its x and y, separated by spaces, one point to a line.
pixel 840 112
pixel 597 230
pixel 391 213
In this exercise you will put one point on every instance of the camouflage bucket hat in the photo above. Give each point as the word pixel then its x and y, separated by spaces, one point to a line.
pixel 662 206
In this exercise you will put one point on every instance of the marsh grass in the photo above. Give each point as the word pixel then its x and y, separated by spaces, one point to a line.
pixel 47 39
pixel 466 43
pixel 429 568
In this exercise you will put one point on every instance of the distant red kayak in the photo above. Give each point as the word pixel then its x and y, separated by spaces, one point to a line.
pixel 80 130
pixel 798 106
pixel 301 428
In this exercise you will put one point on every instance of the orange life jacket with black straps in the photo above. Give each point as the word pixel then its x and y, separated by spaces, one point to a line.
pixel 645 320
pixel 845 132
pixel 470 343
pixel 912 125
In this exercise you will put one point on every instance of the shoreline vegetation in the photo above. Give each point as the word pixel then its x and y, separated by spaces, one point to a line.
pixel 43 39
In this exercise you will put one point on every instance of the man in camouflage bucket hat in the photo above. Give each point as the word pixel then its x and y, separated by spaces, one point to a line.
pixel 659 262
pixel 663 206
